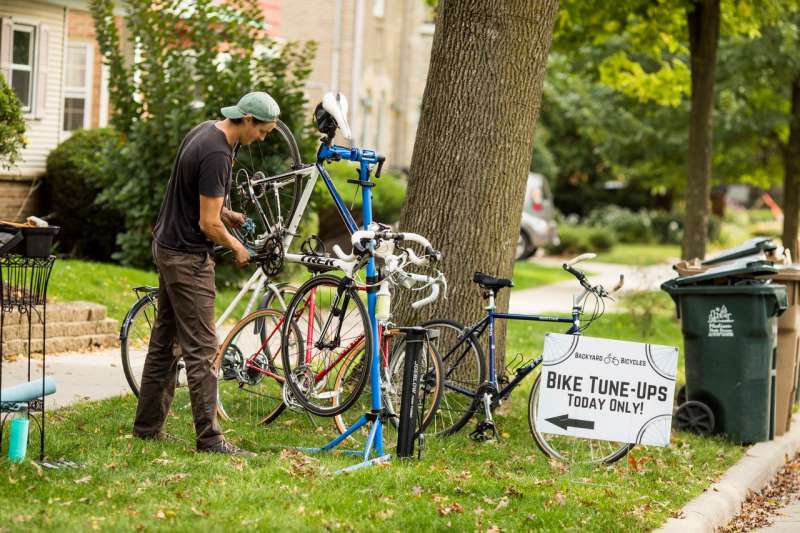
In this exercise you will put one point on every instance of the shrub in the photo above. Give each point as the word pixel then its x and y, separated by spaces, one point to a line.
pixel 73 181
pixel 600 240
pixel 184 77
pixel 627 226
pixel 12 126
pixel 666 227
pixel 576 239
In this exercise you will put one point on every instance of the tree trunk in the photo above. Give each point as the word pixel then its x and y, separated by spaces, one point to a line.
pixel 791 176
pixel 473 146
pixel 703 20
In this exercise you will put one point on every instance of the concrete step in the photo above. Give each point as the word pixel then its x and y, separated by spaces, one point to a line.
pixel 62 329
pixel 77 343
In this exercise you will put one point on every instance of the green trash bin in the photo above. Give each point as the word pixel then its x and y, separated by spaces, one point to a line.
pixel 730 334
pixel 755 247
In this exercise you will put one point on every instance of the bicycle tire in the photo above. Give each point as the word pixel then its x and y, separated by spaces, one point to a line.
pixel 390 395
pixel 258 398
pixel 283 153
pixel 455 407
pixel 343 326
pixel 145 308
pixel 580 450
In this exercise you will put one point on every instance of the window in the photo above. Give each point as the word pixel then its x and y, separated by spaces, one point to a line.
pixel 22 55
pixel 77 86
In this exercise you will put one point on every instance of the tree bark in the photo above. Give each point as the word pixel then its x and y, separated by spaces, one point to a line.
pixel 703 19
pixel 473 146
pixel 791 176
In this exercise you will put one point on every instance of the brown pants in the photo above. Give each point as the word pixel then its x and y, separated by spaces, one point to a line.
pixel 186 311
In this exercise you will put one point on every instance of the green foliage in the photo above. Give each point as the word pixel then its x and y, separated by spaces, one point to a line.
pixel 12 126
pixel 577 239
pixel 388 195
pixel 627 226
pixel 75 177
pixel 193 59
pixel 644 307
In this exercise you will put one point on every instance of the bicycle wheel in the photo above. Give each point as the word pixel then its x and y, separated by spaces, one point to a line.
pixel 277 296
pixel 572 449
pixel 464 371
pixel 333 323
pixel 135 338
pixel 264 186
pixel 392 393
pixel 249 368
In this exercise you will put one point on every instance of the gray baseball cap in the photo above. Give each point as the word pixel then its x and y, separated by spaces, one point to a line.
pixel 258 104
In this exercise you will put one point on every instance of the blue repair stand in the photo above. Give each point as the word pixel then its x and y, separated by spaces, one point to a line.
pixel 373 451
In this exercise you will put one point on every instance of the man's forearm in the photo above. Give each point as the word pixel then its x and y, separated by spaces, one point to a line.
pixel 215 230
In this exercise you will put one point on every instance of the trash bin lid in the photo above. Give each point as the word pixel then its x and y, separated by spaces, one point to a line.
pixel 755 246
pixel 744 268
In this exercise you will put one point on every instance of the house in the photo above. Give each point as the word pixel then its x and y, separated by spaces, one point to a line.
pixel 49 56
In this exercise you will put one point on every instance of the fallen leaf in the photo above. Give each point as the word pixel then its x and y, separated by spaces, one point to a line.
pixel 454 507
pixel 82 480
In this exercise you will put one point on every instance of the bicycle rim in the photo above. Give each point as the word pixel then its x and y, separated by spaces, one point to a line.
pixel 249 369
pixel 572 450
pixel 313 370
pixel 464 371
pixel 135 339
pixel 272 204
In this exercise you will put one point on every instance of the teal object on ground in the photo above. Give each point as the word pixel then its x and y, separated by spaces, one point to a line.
pixel 730 338
pixel 18 440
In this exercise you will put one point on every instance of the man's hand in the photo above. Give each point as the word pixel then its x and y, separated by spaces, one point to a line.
pixel 241 256
pixel 232 219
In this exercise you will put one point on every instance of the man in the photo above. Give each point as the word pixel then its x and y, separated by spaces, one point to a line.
pixel 191 220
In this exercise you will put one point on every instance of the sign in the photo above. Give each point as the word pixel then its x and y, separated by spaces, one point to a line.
pixel 607 389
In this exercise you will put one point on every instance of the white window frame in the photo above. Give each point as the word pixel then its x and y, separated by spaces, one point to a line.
pixel 84 92
pixel 32 68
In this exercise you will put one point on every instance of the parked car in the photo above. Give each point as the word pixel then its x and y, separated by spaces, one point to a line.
pixel 538 227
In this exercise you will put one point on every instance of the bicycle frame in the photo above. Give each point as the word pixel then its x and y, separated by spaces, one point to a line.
pixel 488 322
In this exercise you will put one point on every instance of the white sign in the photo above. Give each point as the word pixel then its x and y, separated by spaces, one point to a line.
pixel 607 389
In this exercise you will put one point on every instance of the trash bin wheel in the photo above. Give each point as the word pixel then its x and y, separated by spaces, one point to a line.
pixel 694 417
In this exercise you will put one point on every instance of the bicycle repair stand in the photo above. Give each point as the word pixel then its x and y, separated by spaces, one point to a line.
pixel 376 413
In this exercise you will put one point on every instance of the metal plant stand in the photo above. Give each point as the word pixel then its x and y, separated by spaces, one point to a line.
pixel 23 288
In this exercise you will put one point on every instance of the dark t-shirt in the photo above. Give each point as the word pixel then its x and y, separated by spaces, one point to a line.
pixel 203 166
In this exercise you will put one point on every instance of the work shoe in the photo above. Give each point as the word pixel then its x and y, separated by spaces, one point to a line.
pixel 226 448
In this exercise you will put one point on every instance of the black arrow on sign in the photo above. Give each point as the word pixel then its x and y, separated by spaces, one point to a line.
pixel 564 421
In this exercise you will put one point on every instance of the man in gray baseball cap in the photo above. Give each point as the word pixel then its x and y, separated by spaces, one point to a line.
pixel 192 219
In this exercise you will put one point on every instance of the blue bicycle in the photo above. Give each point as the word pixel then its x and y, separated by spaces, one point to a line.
pixel 470 387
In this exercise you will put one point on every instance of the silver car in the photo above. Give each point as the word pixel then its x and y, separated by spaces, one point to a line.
pixel 538 227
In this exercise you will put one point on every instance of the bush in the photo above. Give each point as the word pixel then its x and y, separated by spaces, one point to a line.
pixel 627 226
pixel 576 239
pixel 74 179
pixel 221 52
pixel 666 227
pixel 12 126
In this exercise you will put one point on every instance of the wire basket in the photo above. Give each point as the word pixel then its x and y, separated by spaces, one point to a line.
pixel 23 281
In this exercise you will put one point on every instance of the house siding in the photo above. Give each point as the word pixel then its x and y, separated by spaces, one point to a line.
pixel 43 133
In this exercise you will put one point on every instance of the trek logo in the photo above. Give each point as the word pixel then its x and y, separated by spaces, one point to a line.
pixel 720 322
pixel 317 260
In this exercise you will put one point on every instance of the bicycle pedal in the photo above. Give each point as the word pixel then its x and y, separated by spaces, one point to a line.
pixel 485 431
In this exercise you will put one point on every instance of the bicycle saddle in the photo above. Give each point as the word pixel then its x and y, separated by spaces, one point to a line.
pixel 485 280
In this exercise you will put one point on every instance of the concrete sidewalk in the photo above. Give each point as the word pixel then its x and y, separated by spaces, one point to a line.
pixel 787 521
pixel 558 296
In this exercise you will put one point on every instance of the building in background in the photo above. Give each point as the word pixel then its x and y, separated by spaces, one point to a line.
pixel 375 52
pixel 49 56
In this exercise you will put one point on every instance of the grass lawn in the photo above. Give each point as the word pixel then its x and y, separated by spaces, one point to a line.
pixel 640 254
pixel 528 275
pixel 110 285
pixel 126 484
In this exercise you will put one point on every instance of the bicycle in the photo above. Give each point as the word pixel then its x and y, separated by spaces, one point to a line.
pixel 469 388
